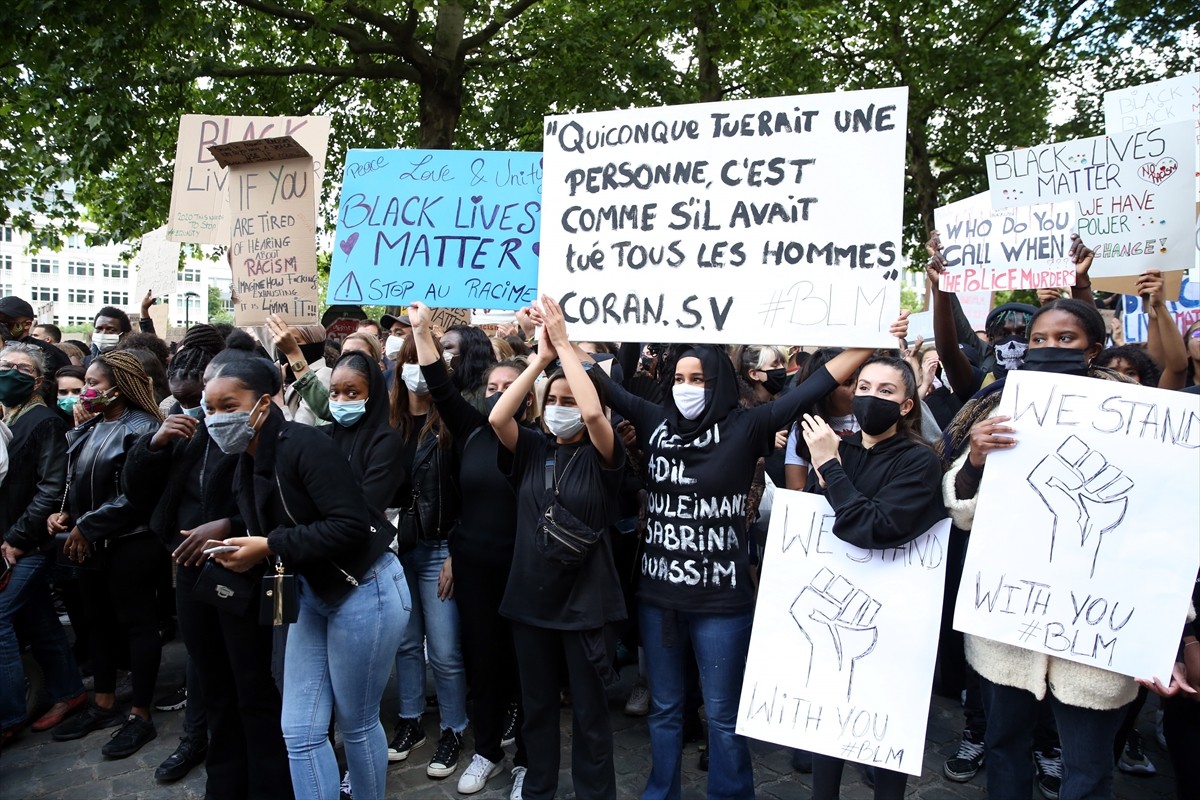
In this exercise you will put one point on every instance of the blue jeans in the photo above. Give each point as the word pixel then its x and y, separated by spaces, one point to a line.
pixel 1086 737
pixel 433 624
pixel 338 662
pixel 25 604
pixel 720 642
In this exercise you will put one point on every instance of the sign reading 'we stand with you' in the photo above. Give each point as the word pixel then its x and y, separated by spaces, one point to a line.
pixel 756 220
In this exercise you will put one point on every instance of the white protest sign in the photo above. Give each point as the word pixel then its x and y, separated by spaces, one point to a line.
pixel 199 200
pixel 1086 542
pixel 1134 193
pixel 1185 311
pixel 990 250
pixel 157 264
pixel 776 219
pixel 273 230
pixel 836 630
pixel 975 306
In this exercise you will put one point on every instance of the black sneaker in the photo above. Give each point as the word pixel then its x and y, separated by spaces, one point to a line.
pixel 190 754
pixel 129 738
pixel 1048 768
pixel 1133 759
pixel 509 737
pixel 445 758
pixel 409 736
pixel 92 718
pixel 966 763
pixel 174 701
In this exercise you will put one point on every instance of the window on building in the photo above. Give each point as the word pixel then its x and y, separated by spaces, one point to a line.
pixel 6 263
pixel 190 275
pixel 5 289
pixel 76 241
pixel 6 233
pixel 116 298
pixel 81 296
pixel 116 271
pixel 72 321
pixel 82 269
pixel 44 266
pixel 45 294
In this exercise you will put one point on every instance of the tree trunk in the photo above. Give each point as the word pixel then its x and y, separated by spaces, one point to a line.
pixel 921 171
pixel 441 102
pixel 707 51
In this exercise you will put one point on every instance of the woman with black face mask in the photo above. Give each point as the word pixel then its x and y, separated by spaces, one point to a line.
pixel 884 484
pixel 1065 336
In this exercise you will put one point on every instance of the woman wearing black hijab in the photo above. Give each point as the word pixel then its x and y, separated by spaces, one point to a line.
pixel 695 590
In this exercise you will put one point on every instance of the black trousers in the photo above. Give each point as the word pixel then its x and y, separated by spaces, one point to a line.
pixel 827 780
pixel 122 597
pixel 1181 726
pixel 490 659
pixel 231 657
pixel 539 655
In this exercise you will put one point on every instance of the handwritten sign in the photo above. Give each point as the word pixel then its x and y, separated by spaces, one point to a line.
pixel 776 219
pixel 1185 311
pixel 1099 564
pixel 446 227
pixel 1134 193
pixel 836 630
pixel 1011 248
pixel 273 230
pixel 975 306
pixel 199 198
pixel 157 264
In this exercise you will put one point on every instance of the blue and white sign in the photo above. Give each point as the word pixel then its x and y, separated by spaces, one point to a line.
pixel 451 228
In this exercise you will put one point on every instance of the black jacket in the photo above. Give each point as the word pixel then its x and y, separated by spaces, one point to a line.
pixel 96 499
pixel 33 489
pixel 155 479
pixel 884 496
pixel 298 492
pixel 434 488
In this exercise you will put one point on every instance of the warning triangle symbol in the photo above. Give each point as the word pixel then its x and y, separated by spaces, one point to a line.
pixel 349 290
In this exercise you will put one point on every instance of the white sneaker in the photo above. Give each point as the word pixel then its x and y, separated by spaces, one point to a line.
pixel 518 774
pixel 477 774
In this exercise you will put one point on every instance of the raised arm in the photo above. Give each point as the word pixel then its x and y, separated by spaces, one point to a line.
pixel 503 416
pixel 419 315
pixel 600 431
pixel 957 367
pixel 1082 257
pixel 1163 341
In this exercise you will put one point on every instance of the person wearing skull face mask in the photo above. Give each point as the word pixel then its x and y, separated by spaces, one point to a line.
pixel 482 552
pixel 705 449
pixel 884 483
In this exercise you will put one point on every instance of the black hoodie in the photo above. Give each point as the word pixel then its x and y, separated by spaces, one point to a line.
pixel 373 447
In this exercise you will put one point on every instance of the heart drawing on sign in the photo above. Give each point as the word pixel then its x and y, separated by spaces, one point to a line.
pixel 537 248
pixel 348 243
pixel 1158 171
pixel 476 198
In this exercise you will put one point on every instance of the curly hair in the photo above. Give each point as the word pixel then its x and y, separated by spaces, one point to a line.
pixel 1147 371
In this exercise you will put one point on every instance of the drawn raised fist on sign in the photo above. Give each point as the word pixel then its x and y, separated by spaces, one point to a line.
pixel 1084 492
pixel 838 621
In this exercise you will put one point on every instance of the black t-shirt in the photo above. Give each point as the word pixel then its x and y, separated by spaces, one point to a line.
pixel 538 592
pixel 488 521
pixel 696 553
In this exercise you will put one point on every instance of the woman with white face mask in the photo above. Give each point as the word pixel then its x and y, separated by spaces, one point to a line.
pixel 695 587
pixel 561 608
pixel 429 499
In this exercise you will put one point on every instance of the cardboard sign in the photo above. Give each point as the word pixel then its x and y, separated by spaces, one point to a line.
pixel 836 630
pixel 199 198
pixel 273 229
pixel 446 227
pixel 1012 248
pixel 1098 561
pixel 157 264
pixel 447 318
pixel 1134 193
pixel 776 219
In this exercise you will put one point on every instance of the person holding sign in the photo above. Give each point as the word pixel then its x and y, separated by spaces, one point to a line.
pixel 884 484
pixel 1065 336
pixel 563 592
pixel 701 450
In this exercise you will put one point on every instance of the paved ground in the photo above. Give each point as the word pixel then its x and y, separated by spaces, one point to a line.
pixel 36 767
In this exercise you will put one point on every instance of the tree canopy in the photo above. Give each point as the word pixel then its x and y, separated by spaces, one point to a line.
pixel 92 92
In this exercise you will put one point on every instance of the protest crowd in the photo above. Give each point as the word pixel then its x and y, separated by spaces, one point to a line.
pixel 498 518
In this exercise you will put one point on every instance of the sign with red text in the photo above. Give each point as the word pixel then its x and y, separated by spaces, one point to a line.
pixel 273 229
pixel 836 630
pixel 1134 193
pixel 1085 541
pixel 199 197
pixel 990 250
pixel 775 219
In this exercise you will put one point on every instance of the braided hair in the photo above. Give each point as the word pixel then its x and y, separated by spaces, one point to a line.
pixel 196 350
pixel 130 377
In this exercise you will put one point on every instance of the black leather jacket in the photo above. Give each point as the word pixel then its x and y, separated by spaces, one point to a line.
pixel 33 489
pixel 96 499
pixel 434 489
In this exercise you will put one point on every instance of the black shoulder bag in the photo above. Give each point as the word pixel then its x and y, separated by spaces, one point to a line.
pixel 561 537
